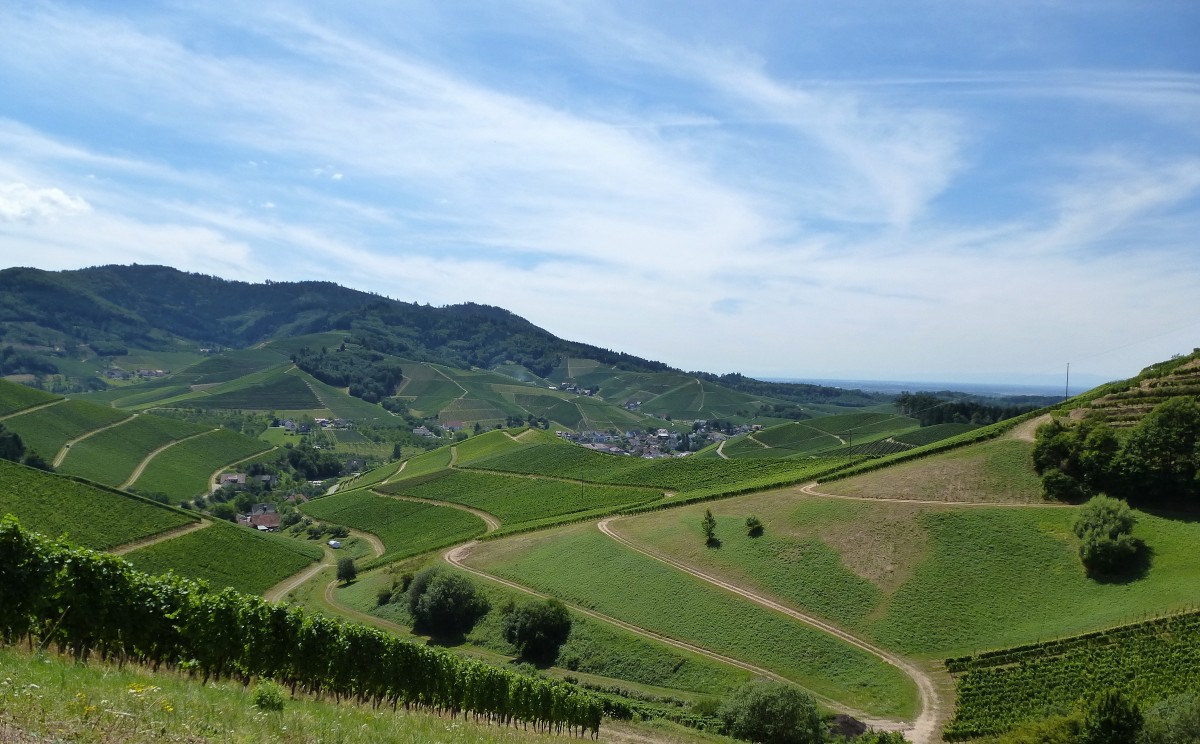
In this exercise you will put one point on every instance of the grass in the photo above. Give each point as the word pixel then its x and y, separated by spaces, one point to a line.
pixel 517 499
pixel 17 397
pixel 46 430
pixel 406 528
pixel 111 456
pixel 580 564
pixel 52 698
pixel 927 580
pixel 183 470
pixel 226 554
pixel 86 515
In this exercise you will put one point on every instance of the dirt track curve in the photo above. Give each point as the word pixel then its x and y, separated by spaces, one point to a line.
pixel 922 731
pixel 160 537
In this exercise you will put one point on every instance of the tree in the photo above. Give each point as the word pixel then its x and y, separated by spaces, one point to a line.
pixel 709 525
pixel 346 572
pixel 1161 456
pixel 1111 718
pixel 1103 526
pixel 11 446
pixel 754 526
pixel 538 629
pixel 1175 720
pixel 772 713
pixel 445 604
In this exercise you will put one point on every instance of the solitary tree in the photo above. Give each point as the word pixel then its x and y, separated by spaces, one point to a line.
pixel 1103 528
pixel 754 526
pixel 346 572
pixel 709 525
pixel 445 604
pixel 772 713
pixel 538 629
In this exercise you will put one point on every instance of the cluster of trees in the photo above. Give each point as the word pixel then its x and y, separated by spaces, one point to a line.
pixel 955 408
pixel 1156 461
pixel 1111 718
pixel 368 374
pixel 13 362
pixel 12 448
pixel 774 713
pixel 87 602
pixel 445 604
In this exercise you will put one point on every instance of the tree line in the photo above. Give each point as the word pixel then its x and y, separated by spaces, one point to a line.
pixel 89 603
pixel 943 408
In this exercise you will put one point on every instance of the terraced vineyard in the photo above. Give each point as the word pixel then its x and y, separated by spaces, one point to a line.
pixel 111 456
pixel 182 471
pixel 15 397
pixel 87 515
pixel 517 500
pixel 1148 661
pixel 405 527
pixel 46 430
pixel 225 554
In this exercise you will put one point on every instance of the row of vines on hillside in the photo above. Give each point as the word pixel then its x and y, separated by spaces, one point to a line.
pixel 1147 661
pixel 88 602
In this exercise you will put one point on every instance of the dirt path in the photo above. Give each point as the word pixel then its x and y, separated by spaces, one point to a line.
pixel 811 490
pixel 160 537
pixel 399 470
pixel 1024 431
pixel 376 544
pixel 66 448
pixel 212 479
pixel 488 518
pixel 137 472
pixel 933 708
pixel 721 450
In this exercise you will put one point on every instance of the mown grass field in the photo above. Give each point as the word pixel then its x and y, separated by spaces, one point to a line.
pixel 16 397
pixel 594 647
pixel 183 470
pixel 927 580
pixel 519 499
pixel 406 528
pixel 89 516
pixel 110 456
pixel 579 563
pixel 226 554
pixel 46 430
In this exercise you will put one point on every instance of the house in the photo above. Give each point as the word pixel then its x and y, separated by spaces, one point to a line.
pixel 237 480
pixel 265 522
pixel 289 425
pixel 453 426
pixel 261 509
pixel 422 431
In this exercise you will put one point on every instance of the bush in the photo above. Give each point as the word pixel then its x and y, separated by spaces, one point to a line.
pixel 1111 718
pixel 1175 720
pixel 538 629
pixel 268 696
pixel 1058 486
pixel 754 526
pixel 772 713
pixel 445 604
pixel 1103 527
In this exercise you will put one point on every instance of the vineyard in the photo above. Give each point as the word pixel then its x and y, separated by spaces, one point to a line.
pixel 227 555
pixel 934 433
pixel 111 456
pixel 96 604
pixel 516 499
pixel 16 397
pixel 1147 661
pixel 405 527
pixel 280 393
pixel 46 430
pixel 183 470
pixel 86 515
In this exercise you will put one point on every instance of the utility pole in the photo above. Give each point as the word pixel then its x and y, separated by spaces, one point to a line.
pixel 1067 389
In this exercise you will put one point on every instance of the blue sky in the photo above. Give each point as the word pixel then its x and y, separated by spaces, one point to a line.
pixel 873 190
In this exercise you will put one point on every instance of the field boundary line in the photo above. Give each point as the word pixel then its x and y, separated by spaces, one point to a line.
pixel 171 534
pixel 31 409
pixel 137 472
pixel 490 520
pixel 932 709
pixel 66 448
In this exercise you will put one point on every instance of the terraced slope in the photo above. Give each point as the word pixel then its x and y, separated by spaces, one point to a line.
pixel 87 515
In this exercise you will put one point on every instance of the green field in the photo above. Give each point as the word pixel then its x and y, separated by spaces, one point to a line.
pixel 405 527
pixel 46 430
pixel 110 456
pixel 1147 661
pixel 518 499
pixel 182 471
pixel 230 366
pixel 86 515
pixel 935 433
pixel 927 580
pixel 225 554
pixel 579 563
pixel 281 393
pixel 16 397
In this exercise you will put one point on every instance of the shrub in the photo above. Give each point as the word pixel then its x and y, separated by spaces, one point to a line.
pixel 1175 720
pixel 538 629
pixel 268 696
pixel 1103 527
pixel 445 604
pixel 1058 486
pixel 754 526
pixel 772 713
pixel 1111 718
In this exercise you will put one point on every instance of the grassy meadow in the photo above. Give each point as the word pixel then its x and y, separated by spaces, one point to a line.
pixel 579 564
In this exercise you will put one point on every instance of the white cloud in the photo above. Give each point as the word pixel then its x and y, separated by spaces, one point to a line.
pixel 21 202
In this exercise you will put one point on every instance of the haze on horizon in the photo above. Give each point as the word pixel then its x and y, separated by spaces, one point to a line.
pixel 932 191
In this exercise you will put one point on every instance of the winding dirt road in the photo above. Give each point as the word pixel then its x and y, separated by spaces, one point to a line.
pixel 160 537
pixel 66 448
pixel 137 472
pixel 488 518
pixel 932 705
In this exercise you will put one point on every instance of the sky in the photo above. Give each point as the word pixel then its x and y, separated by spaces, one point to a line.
pixel 971 191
